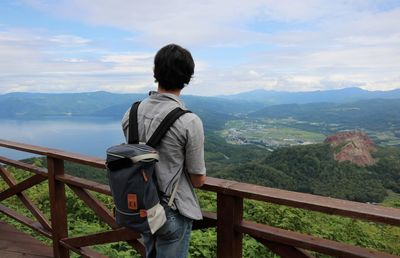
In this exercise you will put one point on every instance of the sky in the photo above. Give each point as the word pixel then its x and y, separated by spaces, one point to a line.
pixel 109 45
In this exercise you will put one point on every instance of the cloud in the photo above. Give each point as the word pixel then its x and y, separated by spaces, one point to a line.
pixel 285 45
pixel 187 22
pixel 69 41
pixel 130 62
pixel 73 60
pixel 40 62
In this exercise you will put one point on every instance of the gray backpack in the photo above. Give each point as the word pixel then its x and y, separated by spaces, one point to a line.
pixel 132 177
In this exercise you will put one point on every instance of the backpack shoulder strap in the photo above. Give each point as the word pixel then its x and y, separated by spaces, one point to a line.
pixel 166 123
pixel 133 137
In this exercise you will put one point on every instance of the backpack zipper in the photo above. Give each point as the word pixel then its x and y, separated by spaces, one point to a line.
pixel 116 155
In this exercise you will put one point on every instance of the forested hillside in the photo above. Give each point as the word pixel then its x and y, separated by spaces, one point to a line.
pixel 304 168
pixel 203 242
pixel 308 168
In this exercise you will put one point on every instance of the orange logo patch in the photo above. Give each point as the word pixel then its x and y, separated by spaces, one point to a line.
pixel 132 202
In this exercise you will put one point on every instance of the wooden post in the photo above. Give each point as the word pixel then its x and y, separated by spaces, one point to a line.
pixel 58 206
pixel 229 214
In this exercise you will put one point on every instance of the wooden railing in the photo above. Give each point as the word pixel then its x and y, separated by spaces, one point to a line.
pixel 228 220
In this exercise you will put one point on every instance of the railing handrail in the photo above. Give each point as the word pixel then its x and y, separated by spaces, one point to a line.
pixel 230 195
pixel 323 204
pixel 54 153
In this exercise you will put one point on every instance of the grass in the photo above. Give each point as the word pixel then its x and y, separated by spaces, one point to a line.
pixel 392 200
pixel 258 131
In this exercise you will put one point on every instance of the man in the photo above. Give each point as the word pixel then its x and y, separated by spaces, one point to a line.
pixel 181 152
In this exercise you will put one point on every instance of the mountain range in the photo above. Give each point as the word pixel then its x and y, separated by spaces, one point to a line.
pixel 350 105
pixel 106 103
pixel 336 96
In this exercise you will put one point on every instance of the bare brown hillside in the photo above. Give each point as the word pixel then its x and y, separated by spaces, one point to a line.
pixel 353 146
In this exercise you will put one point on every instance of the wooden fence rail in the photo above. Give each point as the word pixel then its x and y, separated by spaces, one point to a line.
pixel 228 220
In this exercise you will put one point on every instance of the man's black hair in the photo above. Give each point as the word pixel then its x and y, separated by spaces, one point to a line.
pixel 173 67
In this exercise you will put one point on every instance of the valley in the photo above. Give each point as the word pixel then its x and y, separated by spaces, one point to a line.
pixel 247 140
pixel 268 133
pixel 282 132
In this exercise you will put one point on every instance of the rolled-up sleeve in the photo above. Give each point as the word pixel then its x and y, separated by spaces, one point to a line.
pixel 194 149
pixel 125 124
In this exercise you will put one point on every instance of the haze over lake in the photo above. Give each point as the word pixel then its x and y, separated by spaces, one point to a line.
pixel 90 136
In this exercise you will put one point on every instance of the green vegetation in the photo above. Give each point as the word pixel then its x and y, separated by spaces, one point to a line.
pixel 376 116
pixel 304 168
pixel 392 200
pixel 73 169
pixel 203 242
pixel 387 169
pixel 310 169
pixel 388 138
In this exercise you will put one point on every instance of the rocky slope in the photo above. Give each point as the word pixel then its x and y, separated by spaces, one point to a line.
pixel 353 146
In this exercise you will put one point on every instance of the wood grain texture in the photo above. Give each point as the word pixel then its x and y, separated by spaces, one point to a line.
pixel 15 244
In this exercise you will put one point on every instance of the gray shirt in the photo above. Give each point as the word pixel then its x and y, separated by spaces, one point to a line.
pixel 181 150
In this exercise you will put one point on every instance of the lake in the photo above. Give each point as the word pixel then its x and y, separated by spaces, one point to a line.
pixel 89 136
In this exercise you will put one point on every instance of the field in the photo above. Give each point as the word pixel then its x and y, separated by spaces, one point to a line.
pixel 269 135
pixel 387 138
pixel 274 133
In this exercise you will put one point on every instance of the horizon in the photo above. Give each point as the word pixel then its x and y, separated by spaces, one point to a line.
pixel 221 95
pixel 293 46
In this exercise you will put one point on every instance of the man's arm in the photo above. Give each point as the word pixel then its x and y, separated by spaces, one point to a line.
pixel 194 152
pixel 197 180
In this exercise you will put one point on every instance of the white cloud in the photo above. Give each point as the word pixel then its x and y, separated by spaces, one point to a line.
pixel 73 60
pixel 285 45
pixel 186 22
pixel 38 62
pixel 69 41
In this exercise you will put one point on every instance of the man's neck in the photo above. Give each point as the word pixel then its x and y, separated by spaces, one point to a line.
pixel 162 90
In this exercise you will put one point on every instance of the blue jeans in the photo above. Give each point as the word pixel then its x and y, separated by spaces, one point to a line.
pixel 172 239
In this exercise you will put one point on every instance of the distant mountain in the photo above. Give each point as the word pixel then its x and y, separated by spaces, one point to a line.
pixel 33 105
pixel 373 114
pixel 336 96
pixel 214 111
pixel 104 104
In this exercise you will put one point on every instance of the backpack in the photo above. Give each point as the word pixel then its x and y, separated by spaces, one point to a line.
pixel 132 177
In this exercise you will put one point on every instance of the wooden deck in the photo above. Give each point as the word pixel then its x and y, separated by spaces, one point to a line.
pixel 14 243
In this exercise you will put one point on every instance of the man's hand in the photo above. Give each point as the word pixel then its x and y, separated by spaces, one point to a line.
pixel 197 180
